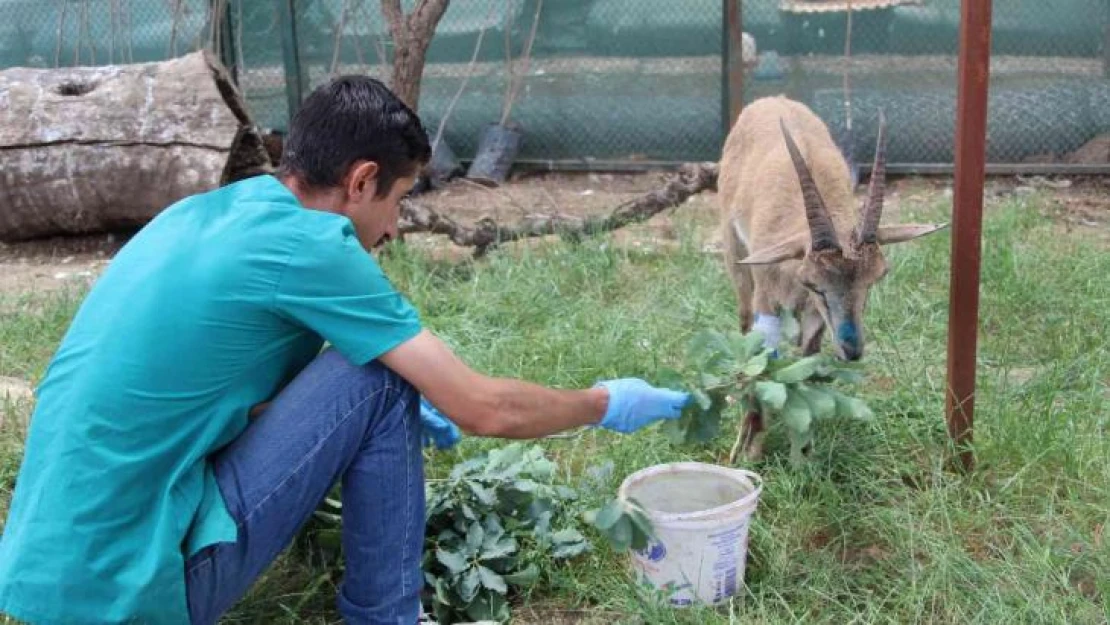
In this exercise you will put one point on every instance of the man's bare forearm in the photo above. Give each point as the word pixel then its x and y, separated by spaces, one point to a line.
pixel 522 410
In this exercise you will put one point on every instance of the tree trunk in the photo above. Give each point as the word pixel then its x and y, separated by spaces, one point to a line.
pixel 412 34
pixel 91 149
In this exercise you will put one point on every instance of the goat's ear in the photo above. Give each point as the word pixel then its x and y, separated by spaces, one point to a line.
pixel 794 247
pixel 905 232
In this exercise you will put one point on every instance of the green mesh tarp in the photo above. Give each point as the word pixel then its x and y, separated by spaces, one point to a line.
pixel 632 81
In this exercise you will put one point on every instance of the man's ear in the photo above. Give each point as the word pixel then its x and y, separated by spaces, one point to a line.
pixel 794 247
pixel 362 178
pixel 905 232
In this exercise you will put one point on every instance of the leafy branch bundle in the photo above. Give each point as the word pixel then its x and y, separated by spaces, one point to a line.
pixel 724 368
pixel 491 523
pixel 491 526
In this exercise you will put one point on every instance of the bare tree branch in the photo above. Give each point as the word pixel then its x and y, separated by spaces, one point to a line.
pixel 425 17
pixel 338 42
pixel 690 179
pixel 517 79
pixel 466 79
pixel 411 37
pixel 395 17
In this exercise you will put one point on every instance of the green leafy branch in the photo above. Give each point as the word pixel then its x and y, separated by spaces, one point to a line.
pixel 490 524
pixel 724 369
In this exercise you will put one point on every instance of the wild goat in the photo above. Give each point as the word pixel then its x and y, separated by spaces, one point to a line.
pixel 792 238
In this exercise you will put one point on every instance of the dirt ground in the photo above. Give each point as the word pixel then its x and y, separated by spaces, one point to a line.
pixel 1079 203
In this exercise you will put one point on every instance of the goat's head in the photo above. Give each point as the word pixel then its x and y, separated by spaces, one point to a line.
pixel 839 274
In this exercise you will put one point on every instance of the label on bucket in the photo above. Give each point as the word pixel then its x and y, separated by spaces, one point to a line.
pixel 689 565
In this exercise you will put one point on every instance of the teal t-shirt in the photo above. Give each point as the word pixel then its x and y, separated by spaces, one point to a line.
pixel 213 307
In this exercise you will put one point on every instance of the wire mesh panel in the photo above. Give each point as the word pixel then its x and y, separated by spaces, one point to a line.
pixel 1048 92
pixel 631 82
pixel 66 33
pixel 606 80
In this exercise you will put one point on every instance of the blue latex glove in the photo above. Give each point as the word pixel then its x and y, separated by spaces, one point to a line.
pixel 634 404
pixel 437 428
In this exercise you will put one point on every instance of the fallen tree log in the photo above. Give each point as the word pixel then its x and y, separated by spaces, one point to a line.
pixel 94 149
pixel 690 179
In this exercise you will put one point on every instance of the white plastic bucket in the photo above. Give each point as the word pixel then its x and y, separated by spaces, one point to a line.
pixel 700 513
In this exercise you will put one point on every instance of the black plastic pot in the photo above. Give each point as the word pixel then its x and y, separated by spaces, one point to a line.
pixel 497 149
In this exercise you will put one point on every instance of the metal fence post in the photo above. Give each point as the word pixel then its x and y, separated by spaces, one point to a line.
pixel 732 63
pixel 291 59
pixel 967 220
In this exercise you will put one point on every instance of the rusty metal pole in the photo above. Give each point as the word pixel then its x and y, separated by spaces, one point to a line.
pixel 967 220
pixel 733 74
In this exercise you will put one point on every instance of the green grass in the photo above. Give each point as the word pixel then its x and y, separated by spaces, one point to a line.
pixel 876 528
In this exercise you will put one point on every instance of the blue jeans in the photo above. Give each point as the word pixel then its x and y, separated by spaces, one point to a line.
pixel 335 421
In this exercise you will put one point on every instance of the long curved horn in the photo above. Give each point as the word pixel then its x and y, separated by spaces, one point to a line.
pixel 872 210
pixel 821 232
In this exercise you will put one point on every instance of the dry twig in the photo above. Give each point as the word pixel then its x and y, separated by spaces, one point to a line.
pixel 690 179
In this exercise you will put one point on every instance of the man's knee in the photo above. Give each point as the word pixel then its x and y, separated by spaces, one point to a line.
pixel 373 380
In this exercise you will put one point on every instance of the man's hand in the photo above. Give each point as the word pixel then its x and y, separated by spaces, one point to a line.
pixel 634 404
pixel 438 429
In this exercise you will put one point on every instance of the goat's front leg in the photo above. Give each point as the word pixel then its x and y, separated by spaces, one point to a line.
pixel 749 441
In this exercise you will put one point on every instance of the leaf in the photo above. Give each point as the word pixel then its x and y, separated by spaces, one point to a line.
pixel 639 540
pixel 475 535
pixel 505 547
pixel 746 346
pixel 708 380
pixel 569 550
pixel 771 394
pixel 821 402
pixel 639 519
pixel 675 429
pixel 608 516
pixel 442 593
pixel 489 606
pixel 621 533
pixel 524 577
pixel 567 536
pixel 708 349
pixel 669 378
pixel 468 585
pixel 566 492
pixel 492 580
pixel 455 562
pixel 798 371
pixel 845 374
pixel 703 400
pixel 485 496
pixel 493 529
pixel 468 512
pixel 796 412
pixel 706 424
pixel 852 408
pixel 757 364
pixel 526 486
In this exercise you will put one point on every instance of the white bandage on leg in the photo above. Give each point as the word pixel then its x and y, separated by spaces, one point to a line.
pixel 771 328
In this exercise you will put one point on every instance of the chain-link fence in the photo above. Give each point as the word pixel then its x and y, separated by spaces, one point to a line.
pixel 1049 87
pixel 632 82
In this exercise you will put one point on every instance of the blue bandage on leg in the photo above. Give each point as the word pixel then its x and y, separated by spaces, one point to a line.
pixel 770 326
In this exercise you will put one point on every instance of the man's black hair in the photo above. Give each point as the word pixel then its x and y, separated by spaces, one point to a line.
pixel 353 118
